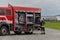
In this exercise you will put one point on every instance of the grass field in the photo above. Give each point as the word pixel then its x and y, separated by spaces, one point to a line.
pixel 53 24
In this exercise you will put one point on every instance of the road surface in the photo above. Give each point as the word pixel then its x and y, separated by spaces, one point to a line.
pixel 51 34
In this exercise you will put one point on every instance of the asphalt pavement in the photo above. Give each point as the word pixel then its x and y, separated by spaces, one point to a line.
pixel 51 34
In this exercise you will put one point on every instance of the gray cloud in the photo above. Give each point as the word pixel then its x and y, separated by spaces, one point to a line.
pixel 3 2
pixel 49 7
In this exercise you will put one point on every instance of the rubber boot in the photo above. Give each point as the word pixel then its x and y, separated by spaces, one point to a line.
pixel 42 30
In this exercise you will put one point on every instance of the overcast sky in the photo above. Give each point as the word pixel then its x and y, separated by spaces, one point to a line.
pixel 49 7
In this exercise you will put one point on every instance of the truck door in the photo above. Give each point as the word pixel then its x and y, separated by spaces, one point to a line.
pixel 30 21
pixel 37 20
pixel 20 21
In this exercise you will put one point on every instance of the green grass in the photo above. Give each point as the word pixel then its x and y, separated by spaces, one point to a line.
pixel 53 24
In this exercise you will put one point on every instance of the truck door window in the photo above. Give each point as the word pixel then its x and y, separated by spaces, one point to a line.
pixel 37 18
pixel 21 17
pixel 8 12
pixel 1 12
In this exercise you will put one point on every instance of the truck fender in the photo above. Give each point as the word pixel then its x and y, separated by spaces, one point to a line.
pixel 5 24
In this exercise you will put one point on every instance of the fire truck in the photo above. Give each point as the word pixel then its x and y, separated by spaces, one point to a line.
pixel 19 19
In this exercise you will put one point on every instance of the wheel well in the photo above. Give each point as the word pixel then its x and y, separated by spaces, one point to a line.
pixel 6 26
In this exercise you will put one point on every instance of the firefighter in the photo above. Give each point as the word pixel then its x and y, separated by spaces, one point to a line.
pixel 42 22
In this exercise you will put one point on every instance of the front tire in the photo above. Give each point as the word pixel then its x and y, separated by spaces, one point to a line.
pixel 3 30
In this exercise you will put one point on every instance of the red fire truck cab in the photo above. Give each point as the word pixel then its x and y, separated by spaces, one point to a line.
pixel 18 19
